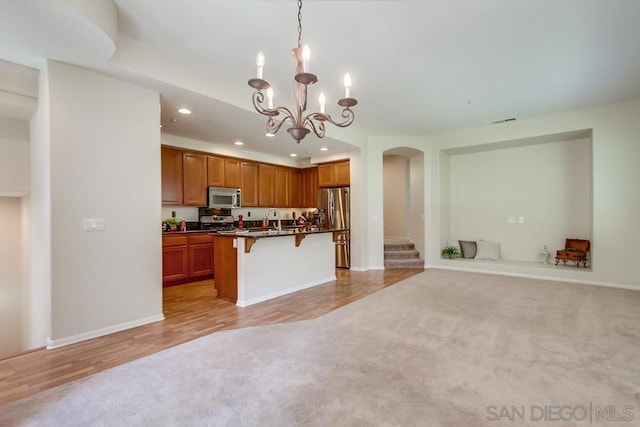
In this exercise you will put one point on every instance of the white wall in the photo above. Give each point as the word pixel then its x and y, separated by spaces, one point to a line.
pixel 38 296
pixel 14 161
pixel 11 277
pixel 396 196
pixel 104 163
pixel 616 201
pixel 547 185
pixel 416 195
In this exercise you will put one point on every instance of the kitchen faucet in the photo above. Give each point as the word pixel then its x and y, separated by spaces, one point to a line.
pixel 277 212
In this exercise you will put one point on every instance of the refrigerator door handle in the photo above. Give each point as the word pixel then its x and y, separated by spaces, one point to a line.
pixel 331 210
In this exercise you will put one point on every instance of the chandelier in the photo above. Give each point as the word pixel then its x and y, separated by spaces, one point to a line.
pixel 301 122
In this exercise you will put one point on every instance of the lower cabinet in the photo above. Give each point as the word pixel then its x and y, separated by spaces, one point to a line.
pixel 200 255
pixel 186 257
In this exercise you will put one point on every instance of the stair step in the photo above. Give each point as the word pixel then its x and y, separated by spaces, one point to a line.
pixel 398 246
pixel 404 263
pixel 412 253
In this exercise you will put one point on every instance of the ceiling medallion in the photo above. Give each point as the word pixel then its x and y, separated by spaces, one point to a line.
pixel 301 124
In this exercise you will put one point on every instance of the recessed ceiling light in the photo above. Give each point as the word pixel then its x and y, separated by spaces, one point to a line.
pixel 293 155
pixel 239 143
pixel 184 111
pixel 324 149
pixel 174 120
pixel 269 134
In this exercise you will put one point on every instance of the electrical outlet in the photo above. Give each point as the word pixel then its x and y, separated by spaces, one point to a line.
pixel 248 214
pixel 521 219
pixel 274 214
pixel 93 224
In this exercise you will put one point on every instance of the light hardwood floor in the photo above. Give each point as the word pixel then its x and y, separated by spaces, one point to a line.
pixel 191 311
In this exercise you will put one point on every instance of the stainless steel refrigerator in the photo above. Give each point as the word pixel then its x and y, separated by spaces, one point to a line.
pixel 334 210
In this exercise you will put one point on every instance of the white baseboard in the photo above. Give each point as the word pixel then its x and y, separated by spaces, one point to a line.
pixel 246 303
pixel 60 342
pixel 538 277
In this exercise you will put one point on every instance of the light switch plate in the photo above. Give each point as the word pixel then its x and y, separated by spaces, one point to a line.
pixel 93 224
pixel 511 219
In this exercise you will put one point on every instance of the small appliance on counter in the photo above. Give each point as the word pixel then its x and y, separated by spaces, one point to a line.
pixel 215 219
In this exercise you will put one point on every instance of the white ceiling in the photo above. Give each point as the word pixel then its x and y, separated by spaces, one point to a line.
pixel 418 67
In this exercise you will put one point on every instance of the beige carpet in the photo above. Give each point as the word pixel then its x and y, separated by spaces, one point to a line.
pixel 440 349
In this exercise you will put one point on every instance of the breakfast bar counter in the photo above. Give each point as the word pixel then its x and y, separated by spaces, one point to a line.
pixel 255 266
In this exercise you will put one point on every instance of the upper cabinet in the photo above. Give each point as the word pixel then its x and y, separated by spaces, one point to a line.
pixel 266 185
pixel 287 187
pixel 194 179
pixel 249 183
pixel 232 173
pixel 334 174
pixel 223 172
pixel 294 188
pixel 215 171
pixel 308 186
pixel 171 176
pixel 186 175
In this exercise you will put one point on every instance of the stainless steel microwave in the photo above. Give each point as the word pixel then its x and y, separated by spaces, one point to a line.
pixel 224 198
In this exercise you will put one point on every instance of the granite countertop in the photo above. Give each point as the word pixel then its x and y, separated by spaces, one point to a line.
pixel 289 231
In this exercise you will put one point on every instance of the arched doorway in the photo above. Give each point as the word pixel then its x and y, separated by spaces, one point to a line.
pixel 403 208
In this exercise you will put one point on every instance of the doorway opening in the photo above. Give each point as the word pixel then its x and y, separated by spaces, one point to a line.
pixel 403 208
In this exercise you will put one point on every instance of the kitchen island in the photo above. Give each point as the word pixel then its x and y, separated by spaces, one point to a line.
pixel 252 267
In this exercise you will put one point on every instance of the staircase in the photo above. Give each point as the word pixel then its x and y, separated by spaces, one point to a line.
pixel 401 253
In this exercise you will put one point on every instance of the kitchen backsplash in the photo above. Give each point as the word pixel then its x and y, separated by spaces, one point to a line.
pixel 189 213
pixel 256 214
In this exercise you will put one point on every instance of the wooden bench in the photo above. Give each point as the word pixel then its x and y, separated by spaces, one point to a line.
pixel 574 250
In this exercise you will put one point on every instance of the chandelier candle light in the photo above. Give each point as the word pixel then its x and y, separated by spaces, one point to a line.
pixel 301 124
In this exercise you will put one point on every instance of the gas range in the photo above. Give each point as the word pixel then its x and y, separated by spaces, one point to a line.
pixel 216 222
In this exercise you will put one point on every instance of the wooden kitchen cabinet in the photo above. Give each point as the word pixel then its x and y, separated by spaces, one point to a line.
pixel 175 259
pixel 215 171
pixel 281 186
pixel 294 188
pixel 171 164
pixel 194 170
pixel 266 185
pixel 308 187
pixel 249 184
pixel 287 187
pixel 336 174
pixel 186 257
pixel 325 175
pixel 200 255
pixel 232 173
pixel 342 173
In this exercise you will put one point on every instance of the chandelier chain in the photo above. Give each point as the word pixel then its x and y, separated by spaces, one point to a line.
pixel 299 23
